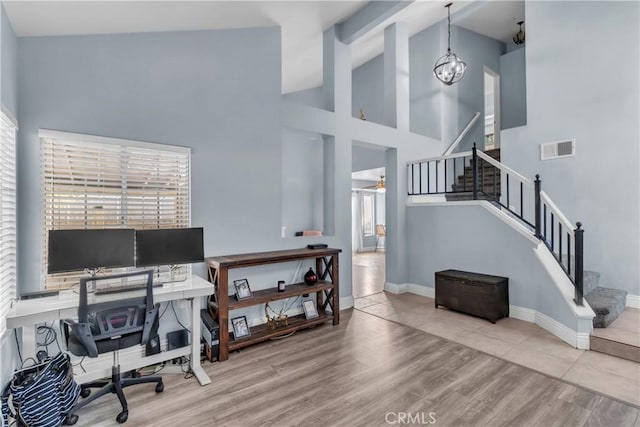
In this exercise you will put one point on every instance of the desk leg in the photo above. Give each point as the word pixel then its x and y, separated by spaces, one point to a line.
pixel 197 369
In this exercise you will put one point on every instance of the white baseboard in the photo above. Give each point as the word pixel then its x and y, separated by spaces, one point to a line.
pixel 633 301
pixel 423 291
pixel 522 313
pixel 575 339
pixel 346 302
pixel 395 288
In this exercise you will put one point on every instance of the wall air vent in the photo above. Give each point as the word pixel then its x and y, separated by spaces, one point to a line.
pixel 556 150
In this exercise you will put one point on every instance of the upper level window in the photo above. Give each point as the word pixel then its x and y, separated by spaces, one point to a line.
pixel 97 182
pixel 7 216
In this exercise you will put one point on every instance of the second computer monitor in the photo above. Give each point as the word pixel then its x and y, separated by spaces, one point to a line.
pixel 169 246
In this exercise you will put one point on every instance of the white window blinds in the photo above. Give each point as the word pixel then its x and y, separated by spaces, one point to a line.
pixel 96 182
pixel 7 217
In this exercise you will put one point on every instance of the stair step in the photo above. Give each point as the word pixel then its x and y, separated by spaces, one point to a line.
pixel 621 338
pixel 607 303
pixel 494 153
pixel 464 195
pixel 590 280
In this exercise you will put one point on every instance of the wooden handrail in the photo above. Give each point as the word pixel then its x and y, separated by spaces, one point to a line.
pixel 557 212
pixel 462 134
pixel 505 168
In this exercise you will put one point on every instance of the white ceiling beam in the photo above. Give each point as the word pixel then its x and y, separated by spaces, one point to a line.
pixel 368 18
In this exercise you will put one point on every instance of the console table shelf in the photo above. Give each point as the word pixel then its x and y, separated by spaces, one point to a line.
pixel 326 290
pixel 264 333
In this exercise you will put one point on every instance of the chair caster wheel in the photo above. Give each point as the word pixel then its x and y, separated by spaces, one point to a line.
pixel 159 388
pixel 70 420
pixel 85 392
pixel 122 417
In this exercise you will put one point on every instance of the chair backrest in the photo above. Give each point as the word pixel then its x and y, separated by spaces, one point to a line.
pixel 115 324
pixel 381 230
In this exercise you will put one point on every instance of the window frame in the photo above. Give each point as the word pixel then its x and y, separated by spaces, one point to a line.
pixel 127 149
pixel 8 234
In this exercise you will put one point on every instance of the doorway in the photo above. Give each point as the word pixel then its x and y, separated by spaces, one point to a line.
pixel 491 109
pixel 368 228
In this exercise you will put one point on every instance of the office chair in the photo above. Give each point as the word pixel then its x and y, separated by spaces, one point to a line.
pixel 109 327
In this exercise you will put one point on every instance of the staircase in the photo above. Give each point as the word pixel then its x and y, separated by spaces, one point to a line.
pixel 488 181
pixel 617 328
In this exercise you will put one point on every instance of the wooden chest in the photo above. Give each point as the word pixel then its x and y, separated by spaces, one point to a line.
pixel 477 294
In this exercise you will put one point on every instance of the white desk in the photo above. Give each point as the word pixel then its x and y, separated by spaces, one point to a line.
pixel 26 314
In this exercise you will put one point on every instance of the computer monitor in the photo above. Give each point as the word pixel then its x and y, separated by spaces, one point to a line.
pixel 169 246
pixel 73 250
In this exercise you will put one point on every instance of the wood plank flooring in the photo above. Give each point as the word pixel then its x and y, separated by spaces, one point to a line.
pixel 367 371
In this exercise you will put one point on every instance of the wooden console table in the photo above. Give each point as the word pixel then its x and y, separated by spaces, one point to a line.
pixel 326 290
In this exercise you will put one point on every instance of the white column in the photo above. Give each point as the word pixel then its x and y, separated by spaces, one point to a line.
pixel 396 76
pixel 337 148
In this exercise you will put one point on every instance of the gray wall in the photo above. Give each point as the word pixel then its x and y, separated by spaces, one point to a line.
pixel 302 181
pixel 436 110
pixel 311 97
pixel 367 90
pixel 9 64
pixel 217 92
pixel 600 185
pixel 463 99
pixel 364 158
pixel 513 89
pixel 440 240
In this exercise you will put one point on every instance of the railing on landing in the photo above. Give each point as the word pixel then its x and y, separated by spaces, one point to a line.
pixel 485 178
pixel 462 134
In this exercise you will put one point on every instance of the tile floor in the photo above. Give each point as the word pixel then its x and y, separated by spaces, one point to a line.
pixel 625 329
pixel 513 340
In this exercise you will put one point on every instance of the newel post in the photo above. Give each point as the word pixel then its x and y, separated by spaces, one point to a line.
pixel 579 242
pixel 474 165
pixel 538 207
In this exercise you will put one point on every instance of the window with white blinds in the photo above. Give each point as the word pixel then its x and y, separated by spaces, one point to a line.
pixel 7 217
pixel 97 182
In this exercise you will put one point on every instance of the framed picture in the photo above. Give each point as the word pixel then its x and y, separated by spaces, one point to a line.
pixel 240 327
pixel 243 290
pixel 309 307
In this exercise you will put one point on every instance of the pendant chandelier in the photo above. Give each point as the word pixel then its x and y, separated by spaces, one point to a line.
pixel 519 37
pixel 449 69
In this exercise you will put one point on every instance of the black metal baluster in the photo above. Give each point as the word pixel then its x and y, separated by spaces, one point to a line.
pixel 412 179
pixel 495 190
pixel 521 202
pixel 552 232
pixel 569 253
pixel 455 176
pixel 464 174
pixel 437 176
pixel 428 178
pixel 445 175
pixel 544 216
pixel 508 204
pixel 482 162
pixel 420 180
pixel 579 241
pixel 537 205
pixel 560 242
pixel 475 172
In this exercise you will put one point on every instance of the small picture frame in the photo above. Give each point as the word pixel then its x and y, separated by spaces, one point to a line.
pixel 243 291
pixel 240 327
pixel 309 307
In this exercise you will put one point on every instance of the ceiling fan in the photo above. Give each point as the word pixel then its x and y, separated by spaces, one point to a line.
pixel 378 186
